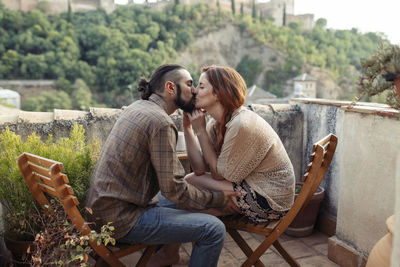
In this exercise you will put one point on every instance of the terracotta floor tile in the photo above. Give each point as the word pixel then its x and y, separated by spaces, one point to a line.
pixel 298 249
pixel 322 248
pixel 317 261
pixel 315 238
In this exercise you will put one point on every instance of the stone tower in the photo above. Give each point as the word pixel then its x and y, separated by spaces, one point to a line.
pixel 289 6
pixel 57 6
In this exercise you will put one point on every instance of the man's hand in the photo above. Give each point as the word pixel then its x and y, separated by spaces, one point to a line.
pixel 230 203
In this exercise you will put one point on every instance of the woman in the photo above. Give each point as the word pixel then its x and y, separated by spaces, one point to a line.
pixel 242 151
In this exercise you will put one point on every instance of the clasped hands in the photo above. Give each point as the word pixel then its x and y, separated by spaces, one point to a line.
pixel 196 119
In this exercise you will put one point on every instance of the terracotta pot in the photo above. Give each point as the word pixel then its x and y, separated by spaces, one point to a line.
pixel 382 251
pixel 18 250
pixel 397 84
pixel 303 224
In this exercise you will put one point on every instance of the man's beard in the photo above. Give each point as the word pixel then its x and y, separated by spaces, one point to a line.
pixel 185 106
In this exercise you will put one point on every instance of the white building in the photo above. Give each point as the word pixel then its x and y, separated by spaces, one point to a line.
pixel 305 85
pixel 10 97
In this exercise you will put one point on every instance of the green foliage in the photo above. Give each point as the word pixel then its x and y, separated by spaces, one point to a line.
pixel 249 69
pixel 233 7
pixel 59 243
pixel 275 80
pixel 334 50
pixel 48 101
pixel 77 156
pixel 109 52
pixel 378 73
pixel 253 10
pixel 81 95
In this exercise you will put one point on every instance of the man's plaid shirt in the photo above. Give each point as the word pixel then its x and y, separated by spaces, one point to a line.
pixel 138 160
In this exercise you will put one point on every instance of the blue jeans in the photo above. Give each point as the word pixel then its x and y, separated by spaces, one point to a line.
pixel 165 224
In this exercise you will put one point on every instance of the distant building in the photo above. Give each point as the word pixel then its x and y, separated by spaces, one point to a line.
pixel 305 85
pixel 306 20
pixel 256 95
pixel 274 9
pixel 59 6
pixel 10 97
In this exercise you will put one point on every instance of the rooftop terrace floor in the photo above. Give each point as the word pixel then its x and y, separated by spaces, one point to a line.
pixel 308 251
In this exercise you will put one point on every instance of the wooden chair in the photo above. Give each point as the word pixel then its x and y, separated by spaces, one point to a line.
pixel 320 160
pixel 45 176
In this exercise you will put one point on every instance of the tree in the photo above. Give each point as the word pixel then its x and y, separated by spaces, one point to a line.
pixel 69 16
pixel 253 10
pixel 250 69
pixel 233 7
pixel 321 22
pixel 47 101
pixel 284 16
pixel 81 95
pixel 241 9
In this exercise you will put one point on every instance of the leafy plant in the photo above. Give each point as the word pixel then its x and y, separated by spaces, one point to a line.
pixel 378 73
pixel 250 69
pixel 77 156
pixel 59 243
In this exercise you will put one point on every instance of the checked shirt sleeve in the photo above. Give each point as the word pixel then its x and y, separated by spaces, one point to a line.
pixel 170 174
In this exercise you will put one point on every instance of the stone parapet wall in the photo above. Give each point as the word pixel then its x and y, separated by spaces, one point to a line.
pixel 362 178
pixel 287 120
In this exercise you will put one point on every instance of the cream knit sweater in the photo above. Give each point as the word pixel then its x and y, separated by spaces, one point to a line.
pixel 253 151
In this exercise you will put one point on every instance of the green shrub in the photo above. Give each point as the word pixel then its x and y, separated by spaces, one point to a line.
pixel 77 156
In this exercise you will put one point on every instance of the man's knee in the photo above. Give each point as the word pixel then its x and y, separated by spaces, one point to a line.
pixel 216 229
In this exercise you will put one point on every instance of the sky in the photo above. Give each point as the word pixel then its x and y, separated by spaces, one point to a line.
pixel 366 16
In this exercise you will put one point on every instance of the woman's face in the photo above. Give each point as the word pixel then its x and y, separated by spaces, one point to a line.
pixel 205 97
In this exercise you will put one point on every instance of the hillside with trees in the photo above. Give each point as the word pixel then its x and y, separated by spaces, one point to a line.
pixel 97 58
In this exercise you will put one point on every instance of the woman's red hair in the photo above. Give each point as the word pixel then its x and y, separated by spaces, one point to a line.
pixel 230 89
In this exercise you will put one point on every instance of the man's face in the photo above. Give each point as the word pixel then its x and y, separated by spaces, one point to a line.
pixel 185 98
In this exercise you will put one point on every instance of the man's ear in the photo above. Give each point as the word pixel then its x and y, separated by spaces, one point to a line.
pixel 169 87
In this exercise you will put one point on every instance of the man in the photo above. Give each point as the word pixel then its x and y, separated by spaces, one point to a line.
pixel 138 160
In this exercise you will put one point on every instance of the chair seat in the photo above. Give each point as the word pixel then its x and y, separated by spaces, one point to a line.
pixel 242 223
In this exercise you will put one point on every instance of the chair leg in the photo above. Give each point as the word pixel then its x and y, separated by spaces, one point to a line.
pixel 146 256
pixel 101 263
pixel 262 248
pixel 289 259
pixel 244 246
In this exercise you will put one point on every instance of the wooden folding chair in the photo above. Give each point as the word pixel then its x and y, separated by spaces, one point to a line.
pixel 45 176
pixel 320 160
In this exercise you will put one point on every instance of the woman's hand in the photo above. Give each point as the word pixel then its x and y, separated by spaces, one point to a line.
pixel 186 124
pixel 198 121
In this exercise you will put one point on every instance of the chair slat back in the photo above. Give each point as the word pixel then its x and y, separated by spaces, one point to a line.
pixel 324 151
pixel 45 176
pixel 320 159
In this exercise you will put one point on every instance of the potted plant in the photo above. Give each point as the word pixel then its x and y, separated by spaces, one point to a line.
pixel 303 223
pixel 381 73
pixel 59 243
pixel 21 215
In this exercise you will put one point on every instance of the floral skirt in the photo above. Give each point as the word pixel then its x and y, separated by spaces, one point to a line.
pixel 254 206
